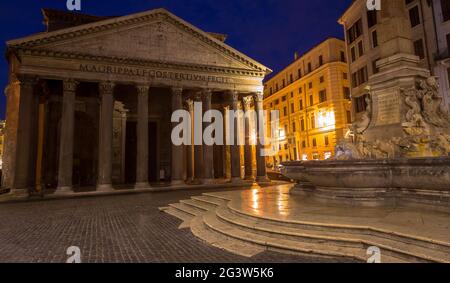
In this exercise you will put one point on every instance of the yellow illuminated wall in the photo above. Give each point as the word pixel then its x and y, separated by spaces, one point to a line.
pixel 312 96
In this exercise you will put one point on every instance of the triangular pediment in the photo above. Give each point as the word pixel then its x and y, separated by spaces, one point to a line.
pixel 155 35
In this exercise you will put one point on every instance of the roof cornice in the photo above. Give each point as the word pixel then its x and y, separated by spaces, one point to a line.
pixel 136 62
pixel 161 14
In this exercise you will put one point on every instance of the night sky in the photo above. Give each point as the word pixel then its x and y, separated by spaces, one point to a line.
pixel 269 31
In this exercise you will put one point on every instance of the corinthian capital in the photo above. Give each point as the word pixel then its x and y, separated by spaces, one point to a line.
pixel 176 90
pixel 142 89
pixel 106 87
pixel 259 96
pixel 70 85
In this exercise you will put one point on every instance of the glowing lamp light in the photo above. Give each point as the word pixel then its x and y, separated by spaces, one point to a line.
pixel 282 134
pixel 326 119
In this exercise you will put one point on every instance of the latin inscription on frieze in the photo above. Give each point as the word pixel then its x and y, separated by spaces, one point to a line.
pixel 153 74
pixel 388 109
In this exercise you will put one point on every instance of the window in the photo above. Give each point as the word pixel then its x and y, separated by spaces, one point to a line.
pixel 327 141
pixel 311 100
pixel 284 83
pixel 375 69
pixel 271 91
pixel 310 85
pixel 301 104
pixel 359 77
pixel 313 122
pixel 292 108
pixel 345 76
pixel 300 90
pixel 285 111
pixel 302 126
pixel 418 48
pixel 448 43
pixel 353 53
pixel 314 142
pixel 343 59
pixel 299 73
pixel 309 68
pixel 320 60
pixel 294 128
pixel 445 5
pixel 371 18
pixel 303 145
pixel 323 96
pixel 291 78
pixel 285 146
pixel 292 94
pixel 414 16
pixel 374 39
pixel 347 93
pixel 355 31
pixel 360 49
pixel 277 102
pixel 283 98
pixel 322 79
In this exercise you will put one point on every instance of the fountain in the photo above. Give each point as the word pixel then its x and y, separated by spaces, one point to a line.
pixel 398 152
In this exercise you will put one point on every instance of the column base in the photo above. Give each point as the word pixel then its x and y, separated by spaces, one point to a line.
pixel 105 188
pixel 18 193
pixel 143 185
pixel 236 180
pixel 177 183
pixel 262 179
pixel 64 190
pixel 209 181
pixel 249 179
pixel 197 182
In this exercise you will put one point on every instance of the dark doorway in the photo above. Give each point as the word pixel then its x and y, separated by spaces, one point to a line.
pixel 84 151
pixel 131 152
pixel 153 151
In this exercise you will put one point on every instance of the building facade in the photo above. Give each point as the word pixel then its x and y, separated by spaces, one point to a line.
pixel 430 29
pixel 89 103
pixel 312 96
pixel 2 141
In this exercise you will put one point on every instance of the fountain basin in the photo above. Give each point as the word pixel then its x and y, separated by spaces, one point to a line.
pixel 418 181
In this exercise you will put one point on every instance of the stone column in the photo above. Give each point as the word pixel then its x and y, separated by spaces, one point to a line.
pixel 142 137
pixel 248 156
pixel 67 138
pixel 177 151
pixel 17 158
pixel 189 148
pixel 261 174
pixel 208 150
pixel 235 148
pixel 106 137
pixel 198 149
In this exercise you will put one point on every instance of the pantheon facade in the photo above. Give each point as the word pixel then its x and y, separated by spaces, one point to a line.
pixel 89 104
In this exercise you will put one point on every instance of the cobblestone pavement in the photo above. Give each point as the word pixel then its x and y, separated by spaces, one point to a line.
pixel 127 228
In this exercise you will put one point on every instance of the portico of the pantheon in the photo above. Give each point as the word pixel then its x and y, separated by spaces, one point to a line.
pixel 89 103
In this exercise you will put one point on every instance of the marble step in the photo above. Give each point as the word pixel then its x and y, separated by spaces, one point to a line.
pixel 183 216
pixel 285 245
pixel 211 200
pixel 187 209
pixel 218 240
pixel 199 204
pixel 442 249
pixel 393 248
